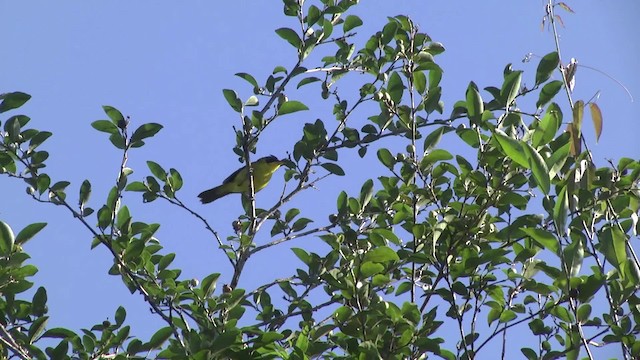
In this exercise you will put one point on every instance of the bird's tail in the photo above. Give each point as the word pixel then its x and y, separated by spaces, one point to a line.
pixel 211 195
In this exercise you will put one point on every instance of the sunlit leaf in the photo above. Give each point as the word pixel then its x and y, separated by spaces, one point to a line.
pixel 596 116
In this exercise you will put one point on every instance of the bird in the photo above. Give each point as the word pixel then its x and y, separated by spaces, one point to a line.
pixel 238 182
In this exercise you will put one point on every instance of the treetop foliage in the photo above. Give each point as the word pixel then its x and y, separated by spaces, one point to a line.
pixel 442 255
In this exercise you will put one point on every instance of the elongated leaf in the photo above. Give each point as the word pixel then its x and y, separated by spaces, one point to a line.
pixel 475 106
pixel 543 238
pixel 291 106
pixel 145 131
pixel 539 168
pixel 548 91
pixel 114 114
pixel 290 35
pixel 612 246
pixel 395 87
pixel 561 210
pixel 233 99
pixel 548 126
pixel 13 100
pixel 333 168
pixel 596 117
pixel 385 157
pixel 250 79
pixel 7 238
pixel 381 254
pixel 29 232
pixel 105 126
pixel 512 148
pixel 510 87
pixel 548 64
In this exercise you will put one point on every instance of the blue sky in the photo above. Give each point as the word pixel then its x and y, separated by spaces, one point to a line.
pixel 168 63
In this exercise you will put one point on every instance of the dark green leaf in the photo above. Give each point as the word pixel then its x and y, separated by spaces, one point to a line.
pixel 114 114
pixel 548 92
pixel 290 35
pixel 475 106
pixel 157 170
pixel 351 22
pixel 538 168
pixel 386 158
pixel 548 126
pixel 511 87
pixel 233 99
pixel 548 64
pixel 395 87
pixel 145 131
pixel 333 168
pixel 250 79
pixel 85 192
pixel 160 337
pixel 13 100
pixel 29 232
pixel 543 238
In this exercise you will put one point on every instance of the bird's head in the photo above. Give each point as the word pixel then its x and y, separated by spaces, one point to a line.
pixel 270 160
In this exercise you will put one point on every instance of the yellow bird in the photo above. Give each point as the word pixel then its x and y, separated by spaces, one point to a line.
pixel 238 182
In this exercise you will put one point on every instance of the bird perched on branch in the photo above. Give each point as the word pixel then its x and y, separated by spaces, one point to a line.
pixel 238 182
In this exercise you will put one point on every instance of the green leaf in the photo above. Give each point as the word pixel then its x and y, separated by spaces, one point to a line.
pixel 176 179
pixel 291 106
pixel 548 92
pixel 385 157
pixel 233 99
pixel 157 170
pixel 350 23
pixel 105 126
pixel 548 64
pixel 366 193
pixel 475 106
pixel 145 131
pixel 420 82
pixel 85 192
pixel 560 211
pixel 381 254
pixel 7 239
pixel 38 139
pixel 13 100
pixel 538 168
pixel 395 87
pixel 307 80
pixel 584 312
pixel 333 168
pixel 160 337
pixel 104 217
pixel 543 238
pixel 548 126
pixel 612 246
pixel 29 232
pixel 388 32
pixel 114 114
pixel 291 36
pixel 250 79
pixel 431 140
pixel 300 224
pixel 37 328
pixel 573 256
pixel 510 87
pixel 369 268
pixel 512 148
pixel 121 314
pixel 39 302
